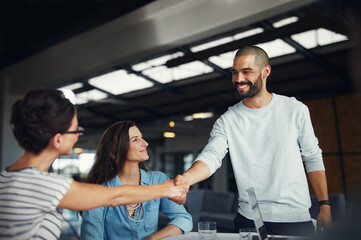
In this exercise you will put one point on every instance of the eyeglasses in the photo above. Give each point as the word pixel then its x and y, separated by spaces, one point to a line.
pixel 79 131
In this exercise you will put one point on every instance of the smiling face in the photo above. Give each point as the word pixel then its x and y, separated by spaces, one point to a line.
pixel 137 150
pixel 248 77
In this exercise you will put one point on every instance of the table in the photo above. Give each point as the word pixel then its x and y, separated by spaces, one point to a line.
pixel 226 236
pixel 194 236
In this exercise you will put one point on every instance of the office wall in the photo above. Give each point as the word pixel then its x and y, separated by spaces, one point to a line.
pixel 337 124
pixel 10 150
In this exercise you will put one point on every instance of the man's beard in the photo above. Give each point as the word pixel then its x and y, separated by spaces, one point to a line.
pixel 254 88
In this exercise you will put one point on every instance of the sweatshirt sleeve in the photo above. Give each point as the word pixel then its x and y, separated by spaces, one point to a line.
pixel 310 151
pixel 217 147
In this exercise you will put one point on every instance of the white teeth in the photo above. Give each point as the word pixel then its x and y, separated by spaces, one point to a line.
pixel 242 86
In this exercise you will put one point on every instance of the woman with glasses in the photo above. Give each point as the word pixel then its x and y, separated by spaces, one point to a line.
pixel 45 125
pixel 120 158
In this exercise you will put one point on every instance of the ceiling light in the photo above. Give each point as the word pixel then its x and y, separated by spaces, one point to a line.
pixel 78 150
pixel 201 115
pixel 169 134
pixel 285 21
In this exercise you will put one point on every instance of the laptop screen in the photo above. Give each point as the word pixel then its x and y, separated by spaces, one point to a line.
pixel 257 217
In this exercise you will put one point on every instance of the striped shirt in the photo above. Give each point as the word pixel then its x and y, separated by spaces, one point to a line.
pixel 28 204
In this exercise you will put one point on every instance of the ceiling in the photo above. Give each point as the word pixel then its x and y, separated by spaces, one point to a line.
pixel 30 26
pixel 307 74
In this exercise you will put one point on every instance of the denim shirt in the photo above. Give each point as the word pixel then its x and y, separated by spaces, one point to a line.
pixel 112 222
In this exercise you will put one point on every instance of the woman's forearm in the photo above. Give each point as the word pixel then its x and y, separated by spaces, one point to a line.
pixel 135 194
pixel 85 196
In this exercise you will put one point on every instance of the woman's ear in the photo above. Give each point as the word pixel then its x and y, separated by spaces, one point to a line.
pixel 56 140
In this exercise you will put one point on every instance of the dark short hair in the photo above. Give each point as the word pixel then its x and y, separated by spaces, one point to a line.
pixel 38 116
pixel 262 58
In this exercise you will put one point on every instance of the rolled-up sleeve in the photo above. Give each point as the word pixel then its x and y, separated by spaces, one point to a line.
pixel 216 148
pixel 92 227
pixel 310 151
pixel 177 214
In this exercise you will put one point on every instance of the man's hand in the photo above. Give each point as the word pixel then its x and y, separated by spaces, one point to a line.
pixel 178 181
pixel 172 190
pixel 324 219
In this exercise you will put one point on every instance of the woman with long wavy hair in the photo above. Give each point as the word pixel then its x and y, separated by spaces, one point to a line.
pixel 120 158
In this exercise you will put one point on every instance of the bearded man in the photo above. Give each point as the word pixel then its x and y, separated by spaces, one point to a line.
pixel 270 139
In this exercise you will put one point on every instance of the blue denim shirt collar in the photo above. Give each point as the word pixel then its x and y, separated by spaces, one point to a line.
pixel 144 179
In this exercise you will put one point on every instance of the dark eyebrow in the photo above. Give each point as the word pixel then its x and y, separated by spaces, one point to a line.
pixel 136 136
pixel 243 69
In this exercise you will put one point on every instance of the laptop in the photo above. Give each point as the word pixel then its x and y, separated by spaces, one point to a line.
pixel 258 221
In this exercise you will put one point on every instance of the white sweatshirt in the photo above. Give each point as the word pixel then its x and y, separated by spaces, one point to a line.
pixel 267 147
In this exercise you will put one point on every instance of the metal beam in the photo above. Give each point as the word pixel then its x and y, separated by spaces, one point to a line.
pixel 266 36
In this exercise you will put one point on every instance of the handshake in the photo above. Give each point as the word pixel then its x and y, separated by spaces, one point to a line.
pixel 177 189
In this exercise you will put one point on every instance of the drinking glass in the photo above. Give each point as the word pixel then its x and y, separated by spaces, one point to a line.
pixel 207 230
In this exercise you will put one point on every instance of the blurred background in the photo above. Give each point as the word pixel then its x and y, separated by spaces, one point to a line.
pixel 165 64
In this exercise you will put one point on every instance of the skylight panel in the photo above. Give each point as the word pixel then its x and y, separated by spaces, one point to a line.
pixel 224 60
pixel 276 48
pixel 190 70
pixel 119 82
pixel 326 37
pixel 285 21
pixel 141 66
pixel 248 33
pixel 73 86
pixel 69 94
pixel 319 37
pixel 211 44
pixel 161 74
pixel 156 61
pixel 162 60
pixel 306 39
pixel 92 95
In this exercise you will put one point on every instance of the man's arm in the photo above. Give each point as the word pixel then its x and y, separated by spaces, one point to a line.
pixel 198 172
pixel 319 185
